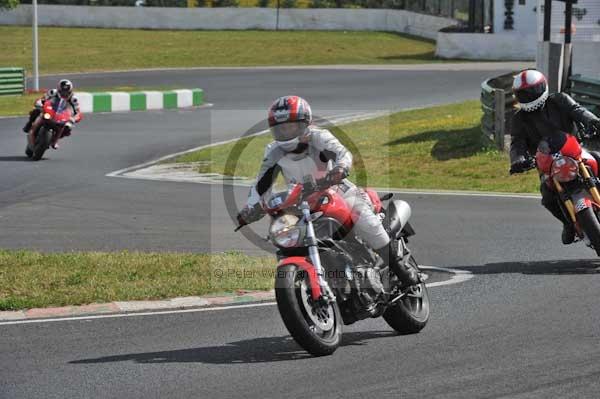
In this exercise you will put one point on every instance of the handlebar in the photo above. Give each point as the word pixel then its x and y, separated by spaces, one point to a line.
pixel 307 188
pixel 586 132
pixel 312 187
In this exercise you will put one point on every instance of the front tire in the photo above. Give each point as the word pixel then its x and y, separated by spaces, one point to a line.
pixel 42 142
pixel 319 334
pixel 589 223
pixel 410 314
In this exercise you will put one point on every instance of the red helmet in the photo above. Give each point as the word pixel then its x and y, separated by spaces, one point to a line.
pixel 530 88
pixel 289 118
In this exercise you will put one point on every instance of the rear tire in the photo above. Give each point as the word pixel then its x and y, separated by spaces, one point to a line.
pixel 410 314
pixel 293 308
pixel 589 223
pixel 42 142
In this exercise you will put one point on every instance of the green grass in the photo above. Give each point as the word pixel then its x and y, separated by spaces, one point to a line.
pixel 17 105
pixel 438 148
pixel 31 279
pixel 160 49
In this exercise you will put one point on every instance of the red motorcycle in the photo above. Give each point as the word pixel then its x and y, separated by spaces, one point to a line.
pixel 327 276
pixel 57 119
pixel 573 173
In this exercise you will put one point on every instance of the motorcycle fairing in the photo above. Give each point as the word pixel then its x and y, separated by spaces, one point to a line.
pixel 332 205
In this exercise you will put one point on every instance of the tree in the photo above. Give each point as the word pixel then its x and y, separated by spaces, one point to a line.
pixel 7 4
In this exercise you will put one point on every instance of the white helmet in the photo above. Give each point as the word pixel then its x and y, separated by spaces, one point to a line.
pixel 530 88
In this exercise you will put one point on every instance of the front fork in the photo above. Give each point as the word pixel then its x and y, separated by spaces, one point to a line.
pixel 590 184
pixel 313 252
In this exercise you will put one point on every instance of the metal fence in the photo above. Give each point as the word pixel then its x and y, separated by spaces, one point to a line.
pixel 585 34
pixel 498 105
pixel 586 91
pixel 12 81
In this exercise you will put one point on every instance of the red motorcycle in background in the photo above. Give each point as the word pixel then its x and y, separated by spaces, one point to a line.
pixel 327 276
pixel 573 173
pixel 57 119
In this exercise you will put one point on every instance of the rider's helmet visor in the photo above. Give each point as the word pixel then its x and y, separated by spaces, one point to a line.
pixel 289 131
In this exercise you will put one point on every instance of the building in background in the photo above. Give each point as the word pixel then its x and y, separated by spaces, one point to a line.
pixel 497 30
pixel 585 34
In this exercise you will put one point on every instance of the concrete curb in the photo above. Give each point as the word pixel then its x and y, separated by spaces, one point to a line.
pixel 118 101
pixel 140 306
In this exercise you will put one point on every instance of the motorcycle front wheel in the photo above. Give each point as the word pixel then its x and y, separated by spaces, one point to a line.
pixel 588 220
pixel 315 327
pixel 42 142
pixel 409 314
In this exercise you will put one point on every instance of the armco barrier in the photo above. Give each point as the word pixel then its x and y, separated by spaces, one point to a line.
pixel 586 91
pixel 12 81
pixel 139 101
pixel 497 103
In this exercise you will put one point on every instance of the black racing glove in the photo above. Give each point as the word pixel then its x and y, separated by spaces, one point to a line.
pixel 594 128
pixel 250 215
pixel 521 165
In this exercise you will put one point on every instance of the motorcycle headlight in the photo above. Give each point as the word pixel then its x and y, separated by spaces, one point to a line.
pixel 47 116
pixel 284 231
pixel 565 169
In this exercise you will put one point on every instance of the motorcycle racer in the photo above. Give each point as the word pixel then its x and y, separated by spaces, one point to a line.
pixel 301 149
pixel 63 92
pixel 545 116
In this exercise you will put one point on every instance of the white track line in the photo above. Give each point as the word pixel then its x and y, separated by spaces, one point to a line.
pixel 118 315
pixel 460 276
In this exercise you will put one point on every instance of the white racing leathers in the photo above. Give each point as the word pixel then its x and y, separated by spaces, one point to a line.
pixel 322 153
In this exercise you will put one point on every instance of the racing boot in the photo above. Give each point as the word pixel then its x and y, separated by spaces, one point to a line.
pixel 27 127
pixel 407 274
pixel 32 117
pixel 550 202
pixel 568 233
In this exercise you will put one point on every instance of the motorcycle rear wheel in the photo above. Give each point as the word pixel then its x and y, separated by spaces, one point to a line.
pixel 588 220
pixel 319 334
pixel 410 314
pixel 42 142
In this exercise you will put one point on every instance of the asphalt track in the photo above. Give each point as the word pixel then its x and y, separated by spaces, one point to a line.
pixel 525 326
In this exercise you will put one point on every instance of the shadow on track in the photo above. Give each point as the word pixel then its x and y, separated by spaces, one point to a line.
pixel 579 266
pixel 258 350
pixel 15 159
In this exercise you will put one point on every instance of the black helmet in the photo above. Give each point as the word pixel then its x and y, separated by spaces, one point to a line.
pixel 65 88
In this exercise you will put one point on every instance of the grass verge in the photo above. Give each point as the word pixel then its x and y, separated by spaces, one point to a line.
pixel 160 49
pixel 438 148
pixel 32 279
